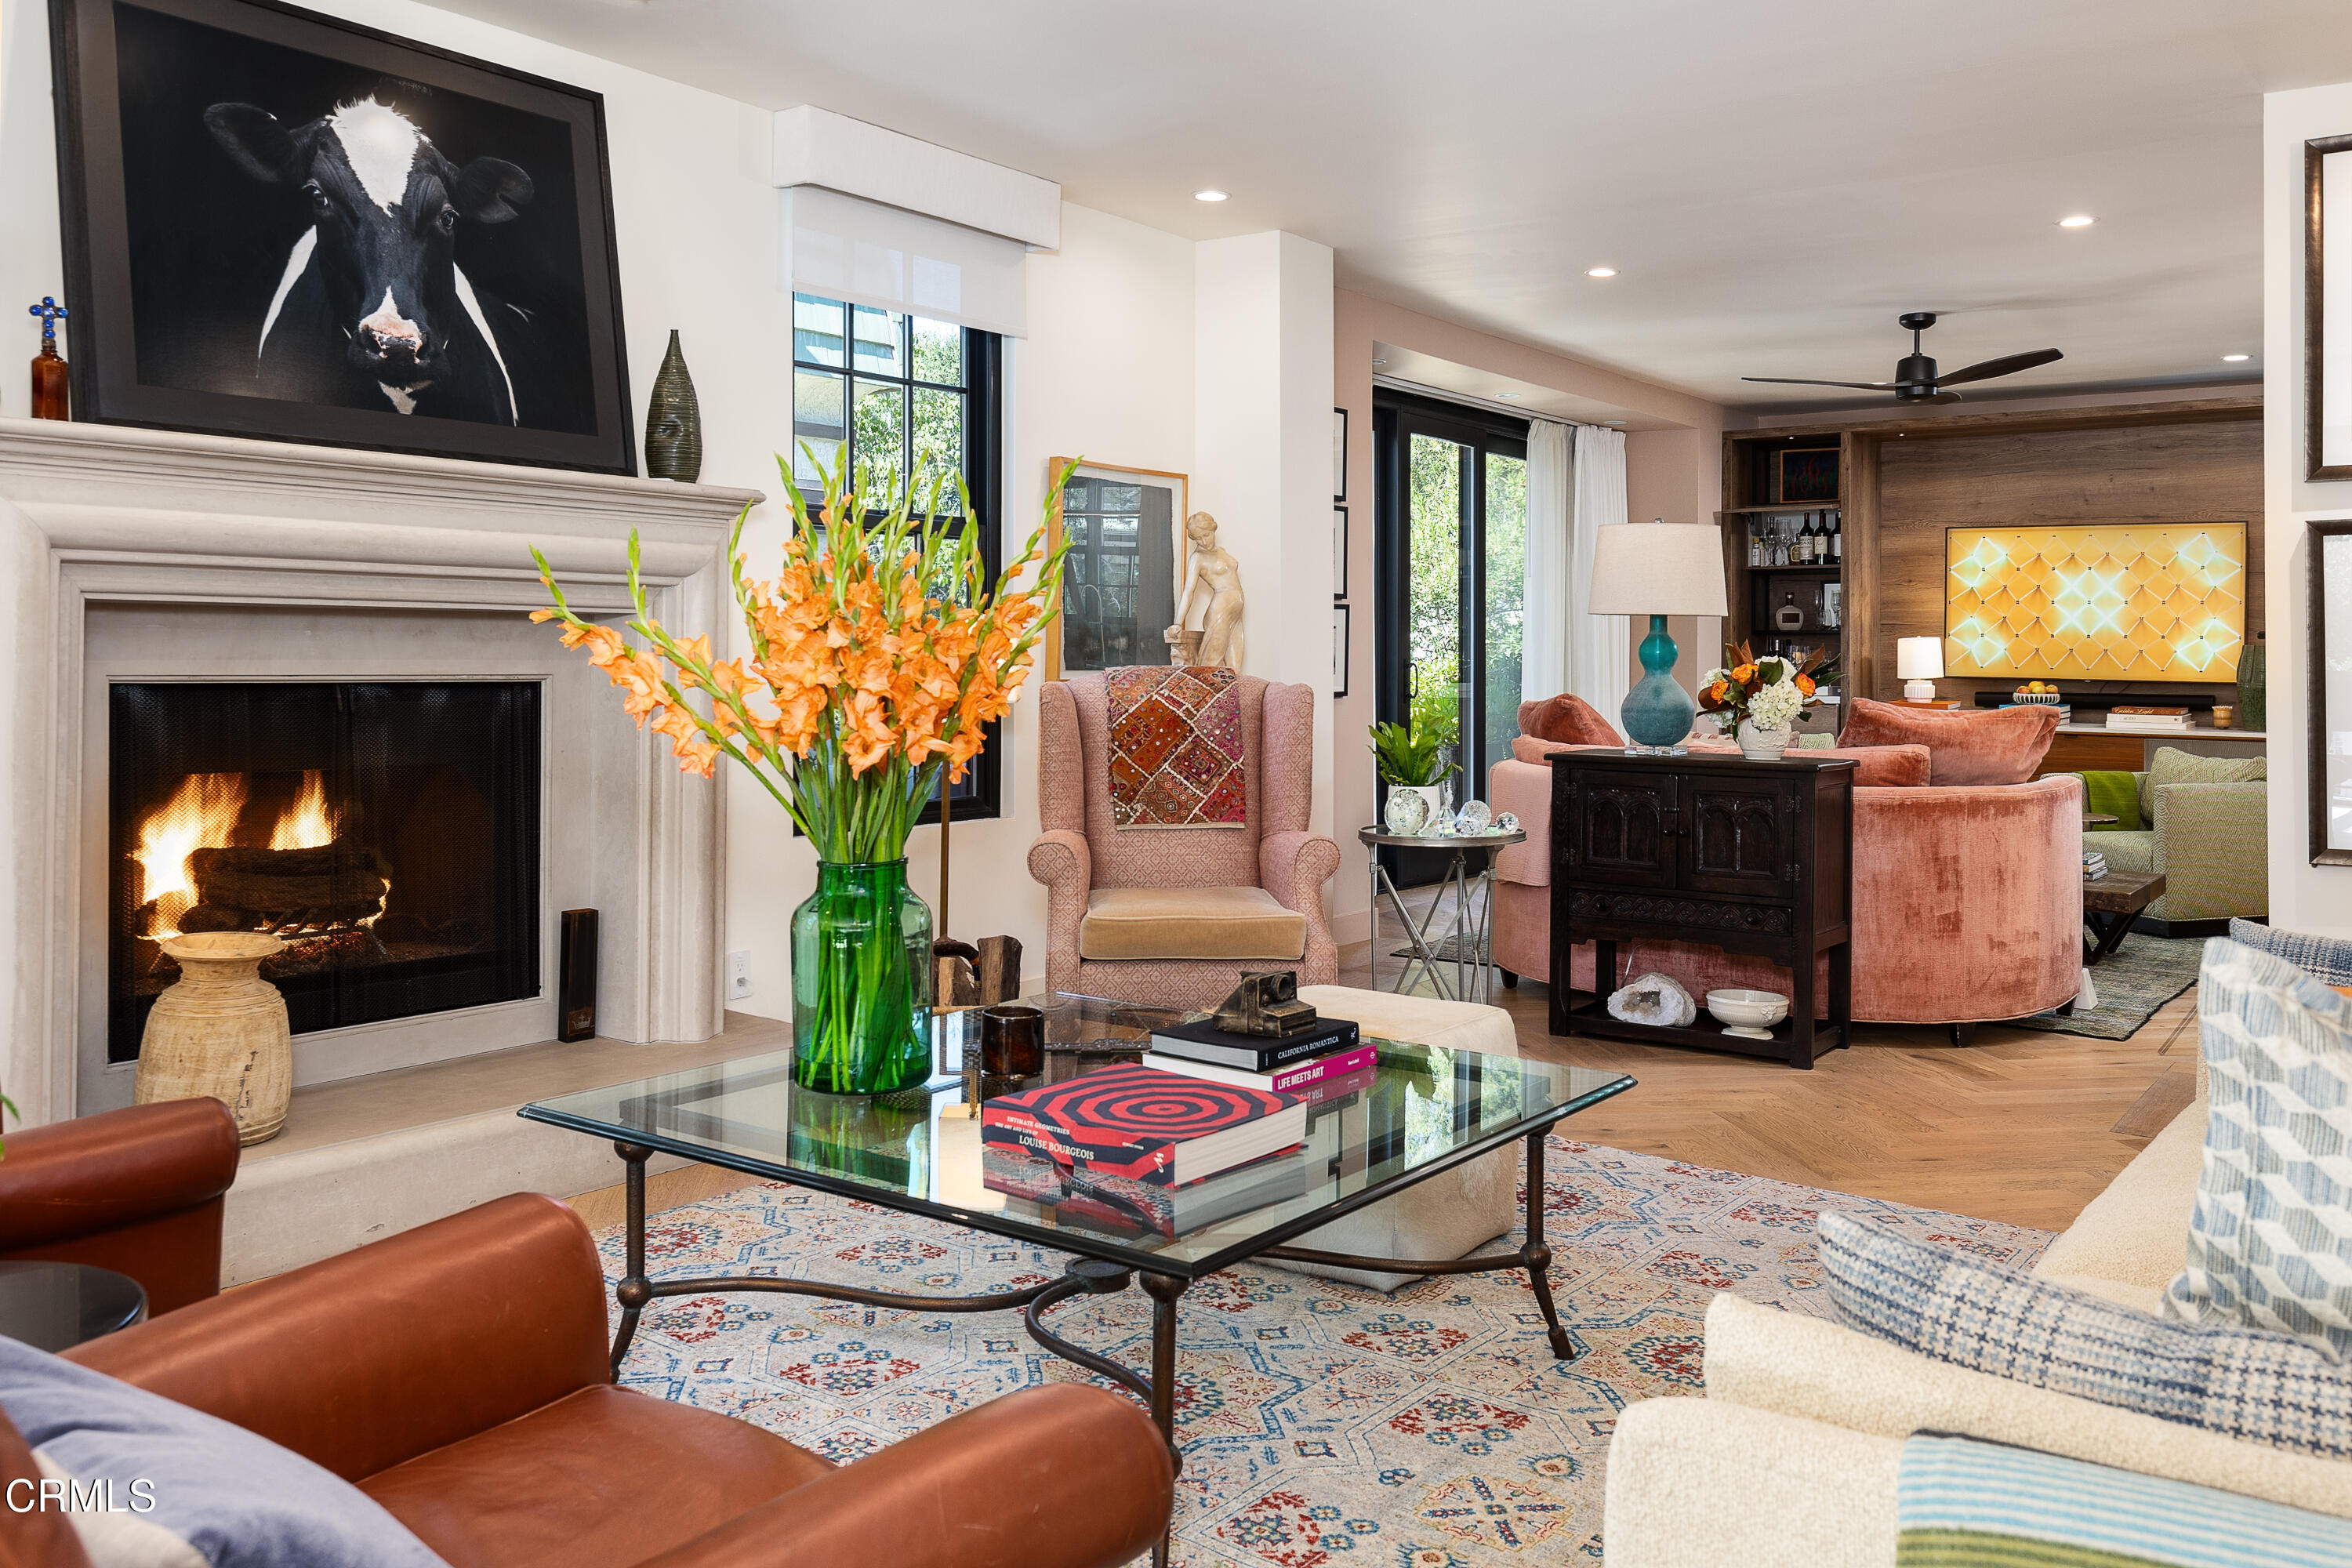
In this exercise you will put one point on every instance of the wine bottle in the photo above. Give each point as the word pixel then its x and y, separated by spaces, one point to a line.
pixel 1799 547
pixel 1754 546
pixel 1837 536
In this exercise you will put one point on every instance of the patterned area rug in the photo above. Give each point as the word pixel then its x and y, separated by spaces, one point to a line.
pixel 2134 982
pixel 1321 1423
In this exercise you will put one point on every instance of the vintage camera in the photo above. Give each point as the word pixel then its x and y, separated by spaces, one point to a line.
pixel 1265 1004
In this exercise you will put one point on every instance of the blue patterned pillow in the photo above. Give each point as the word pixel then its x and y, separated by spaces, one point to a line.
pixel 2269 1241
pixel 1986 1317
pixel 2325 958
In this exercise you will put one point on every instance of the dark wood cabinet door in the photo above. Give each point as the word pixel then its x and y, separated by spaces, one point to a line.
pixel 1621 827
pixel 1737 835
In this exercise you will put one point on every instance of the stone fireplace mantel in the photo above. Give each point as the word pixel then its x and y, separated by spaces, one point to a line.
pixel 98 515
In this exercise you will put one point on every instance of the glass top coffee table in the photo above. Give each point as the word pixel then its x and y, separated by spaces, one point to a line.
pixel 1426 1109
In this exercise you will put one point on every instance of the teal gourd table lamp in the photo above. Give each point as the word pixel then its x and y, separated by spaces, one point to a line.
pixel 1658 569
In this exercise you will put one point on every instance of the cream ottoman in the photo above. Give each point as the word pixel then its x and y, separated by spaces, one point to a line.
pixel 1454 1213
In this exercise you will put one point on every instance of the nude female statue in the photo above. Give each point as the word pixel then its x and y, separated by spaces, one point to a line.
pixel 1216 573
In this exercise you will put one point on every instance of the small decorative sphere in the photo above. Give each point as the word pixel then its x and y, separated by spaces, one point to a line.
pixel 1406 812
pixel 1442 824
pixel 1476 816
pixel 1507 823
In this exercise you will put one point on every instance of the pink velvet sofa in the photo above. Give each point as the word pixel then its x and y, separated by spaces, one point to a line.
pixel 1967 899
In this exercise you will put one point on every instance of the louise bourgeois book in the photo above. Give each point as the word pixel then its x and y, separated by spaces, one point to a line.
pixel 1145 1125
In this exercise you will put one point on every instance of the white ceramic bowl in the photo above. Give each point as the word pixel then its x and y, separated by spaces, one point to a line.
pixel 1748 1014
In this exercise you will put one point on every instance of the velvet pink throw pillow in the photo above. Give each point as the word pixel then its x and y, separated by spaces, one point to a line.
pixel 1566 721
pixel 1965 745
pixel 1881 767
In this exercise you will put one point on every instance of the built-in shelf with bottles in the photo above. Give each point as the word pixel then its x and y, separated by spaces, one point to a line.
pixel 1783 523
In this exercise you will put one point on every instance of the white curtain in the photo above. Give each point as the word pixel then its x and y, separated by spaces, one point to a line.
pixel 1543 656
pixel 1599 666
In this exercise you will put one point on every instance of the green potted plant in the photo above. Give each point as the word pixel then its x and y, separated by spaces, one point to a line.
pixel 1414 759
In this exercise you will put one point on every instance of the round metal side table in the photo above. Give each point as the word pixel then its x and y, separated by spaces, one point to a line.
pixel 1471 932
pixel 55 1306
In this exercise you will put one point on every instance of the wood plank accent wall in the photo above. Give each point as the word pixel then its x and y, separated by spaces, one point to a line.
pixel 2165 473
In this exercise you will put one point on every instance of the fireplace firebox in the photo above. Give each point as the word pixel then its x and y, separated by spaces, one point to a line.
pixel 388 831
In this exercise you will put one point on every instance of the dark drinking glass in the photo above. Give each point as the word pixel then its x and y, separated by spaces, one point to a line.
pixel 1012 1041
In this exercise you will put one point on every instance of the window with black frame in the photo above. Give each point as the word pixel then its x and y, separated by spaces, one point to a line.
pixel 909 396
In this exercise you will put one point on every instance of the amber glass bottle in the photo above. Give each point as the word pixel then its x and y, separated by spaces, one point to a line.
pixel 49 368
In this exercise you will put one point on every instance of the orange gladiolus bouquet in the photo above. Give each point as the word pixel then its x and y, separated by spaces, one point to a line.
pixel 877 653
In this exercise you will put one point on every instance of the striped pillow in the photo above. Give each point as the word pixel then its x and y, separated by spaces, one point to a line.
pixel 2325 958
pixel 1984 1315
pixel 1960 1500
pixel 2269 1241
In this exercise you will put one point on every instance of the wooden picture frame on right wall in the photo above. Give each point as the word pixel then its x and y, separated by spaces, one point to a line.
pixel 2327 312
pixel 2328 692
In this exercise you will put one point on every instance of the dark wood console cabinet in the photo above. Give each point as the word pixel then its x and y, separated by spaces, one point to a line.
pixel 1751 856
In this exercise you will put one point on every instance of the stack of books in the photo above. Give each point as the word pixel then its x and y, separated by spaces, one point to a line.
pixel 2094 865
pixel 2065 710
pixel 1327 1060
pixel 2149 721
pixel 1146 1149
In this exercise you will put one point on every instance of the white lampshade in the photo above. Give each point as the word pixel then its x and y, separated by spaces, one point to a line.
pixel 1658 569
pixel 1919 658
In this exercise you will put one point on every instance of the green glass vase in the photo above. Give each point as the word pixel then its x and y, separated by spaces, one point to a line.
pixel 861 982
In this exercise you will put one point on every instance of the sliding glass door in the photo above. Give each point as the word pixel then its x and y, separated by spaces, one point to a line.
pixel 1450 513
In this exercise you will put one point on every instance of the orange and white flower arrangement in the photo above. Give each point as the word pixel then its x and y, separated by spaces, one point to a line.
pixel 1767 692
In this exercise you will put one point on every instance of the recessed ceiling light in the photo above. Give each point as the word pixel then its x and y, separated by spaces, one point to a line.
pixel 1600 272
pixel 2080 220
pixel 1380 361
pixel 1210 194
pixel 2234 359
pixel 1514 396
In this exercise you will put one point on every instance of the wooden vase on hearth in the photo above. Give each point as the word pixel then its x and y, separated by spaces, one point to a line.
pixel 221 1030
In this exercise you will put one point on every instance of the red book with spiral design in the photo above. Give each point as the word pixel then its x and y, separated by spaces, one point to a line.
pixel 1146 1125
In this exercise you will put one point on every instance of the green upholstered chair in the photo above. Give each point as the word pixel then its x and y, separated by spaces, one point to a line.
pixel 2208 833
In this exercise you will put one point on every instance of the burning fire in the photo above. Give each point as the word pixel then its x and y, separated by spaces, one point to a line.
pixel 310 824
pixel 203 810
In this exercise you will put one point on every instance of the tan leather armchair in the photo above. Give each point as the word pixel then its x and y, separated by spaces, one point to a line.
pixel 1173 916
pixel 457 1374
pixel 137 1191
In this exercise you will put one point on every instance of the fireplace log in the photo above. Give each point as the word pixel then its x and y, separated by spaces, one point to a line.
pixel 338 880
pixel 199 918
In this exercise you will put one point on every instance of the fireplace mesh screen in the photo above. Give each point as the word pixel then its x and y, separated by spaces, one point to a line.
pixel 388 832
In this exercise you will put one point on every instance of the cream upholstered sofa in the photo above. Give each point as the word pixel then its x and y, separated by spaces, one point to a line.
pixel 1173 916
pixel 1789 1460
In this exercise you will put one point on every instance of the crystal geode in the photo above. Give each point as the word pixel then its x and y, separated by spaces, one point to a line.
pixel 1653 999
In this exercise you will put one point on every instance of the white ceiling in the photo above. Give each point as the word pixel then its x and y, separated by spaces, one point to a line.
pixel 1774 182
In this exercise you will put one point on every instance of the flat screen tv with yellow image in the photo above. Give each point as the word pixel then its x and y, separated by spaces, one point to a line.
pixel 2118 602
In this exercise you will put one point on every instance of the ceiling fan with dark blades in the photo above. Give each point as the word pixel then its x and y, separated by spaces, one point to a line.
pixel 1916 380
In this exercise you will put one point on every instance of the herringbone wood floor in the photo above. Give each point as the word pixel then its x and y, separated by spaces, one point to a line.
pixel 2020 1126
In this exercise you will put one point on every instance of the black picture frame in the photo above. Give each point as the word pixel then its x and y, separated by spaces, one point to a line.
pixel 1339 650
pixel 571 410
pixel 1338 552
pixel 1338 454
pixel 1805 474
pixel 2316 715
pixel 2316 153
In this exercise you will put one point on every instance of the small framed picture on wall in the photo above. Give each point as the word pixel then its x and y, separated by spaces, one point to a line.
pixel 1338 454
pixel 2328 744
pixel 2327 309
pixel 1338 551
pixel 1338 650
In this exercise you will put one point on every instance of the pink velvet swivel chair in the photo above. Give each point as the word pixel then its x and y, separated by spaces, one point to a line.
pixel 1172 917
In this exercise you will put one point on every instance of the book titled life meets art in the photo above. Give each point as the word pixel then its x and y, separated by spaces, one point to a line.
pixel 1255 1053
pixel 1145 1125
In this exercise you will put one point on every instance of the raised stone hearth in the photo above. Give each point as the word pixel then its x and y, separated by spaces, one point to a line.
pixel 141 556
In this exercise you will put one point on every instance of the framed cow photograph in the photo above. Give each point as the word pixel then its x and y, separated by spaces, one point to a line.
pixel 279 225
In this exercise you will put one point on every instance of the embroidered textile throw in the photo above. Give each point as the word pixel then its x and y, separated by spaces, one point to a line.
pixel 1175 747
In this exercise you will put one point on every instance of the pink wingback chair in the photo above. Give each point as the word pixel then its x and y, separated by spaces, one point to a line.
pixel 1172 917
pixel 1967 899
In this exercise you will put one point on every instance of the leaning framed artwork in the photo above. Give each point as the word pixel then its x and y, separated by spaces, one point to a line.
pixel 1125 532
pixel 2327 310
pixel 2328 748
pixel 283 225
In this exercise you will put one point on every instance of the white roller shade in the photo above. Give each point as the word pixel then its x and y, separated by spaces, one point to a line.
pixel 844 247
